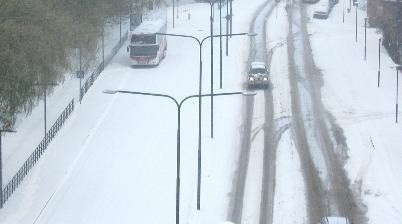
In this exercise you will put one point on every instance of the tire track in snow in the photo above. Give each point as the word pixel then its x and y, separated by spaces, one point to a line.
pixel 328 194
pixel 270 139
pixel 346 201
pixel 311 176
pixel 236 213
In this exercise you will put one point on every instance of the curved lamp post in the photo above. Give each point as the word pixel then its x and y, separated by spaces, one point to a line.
pixel 397 68
pixel 179 105
pixel 200 43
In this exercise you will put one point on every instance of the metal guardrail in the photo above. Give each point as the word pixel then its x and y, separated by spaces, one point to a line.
pixel 34 157
pixel 90 81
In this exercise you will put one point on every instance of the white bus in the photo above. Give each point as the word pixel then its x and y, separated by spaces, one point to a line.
pixel 147 48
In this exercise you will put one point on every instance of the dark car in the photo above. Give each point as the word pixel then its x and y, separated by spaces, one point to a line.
pixel 258 75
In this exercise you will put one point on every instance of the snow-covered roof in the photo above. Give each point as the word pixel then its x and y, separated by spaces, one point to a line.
pixel 393 1
pixel 257 64
pixel 149 27
pixel 323 4
pixel 335 220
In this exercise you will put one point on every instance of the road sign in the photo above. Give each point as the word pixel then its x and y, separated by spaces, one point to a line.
pixel 80 74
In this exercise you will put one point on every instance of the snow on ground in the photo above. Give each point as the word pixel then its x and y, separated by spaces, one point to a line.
pixel 252 192
pixel 366 113
pixel 115 159
pixel 290 206
pixel 290 202
pixel 30 129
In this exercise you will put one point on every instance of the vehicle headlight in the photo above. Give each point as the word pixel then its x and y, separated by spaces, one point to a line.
pixel 265 78
pixel 251 78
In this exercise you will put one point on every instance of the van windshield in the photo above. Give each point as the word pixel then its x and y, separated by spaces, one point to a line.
pixel 257 71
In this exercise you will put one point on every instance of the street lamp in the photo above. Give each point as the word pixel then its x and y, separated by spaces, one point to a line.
pixel 177 9
pixel 1 166
pixel 227 27
pixel 220 44
pixel 179 105
pixel 45 85
pixel 231 17
pixel 173 12
pixel 397 67
pixel 211 20
pixel 365 38
pixel 200 42
pixel 379 62
pixel 356 20
pixel 343 12
pixel 103 47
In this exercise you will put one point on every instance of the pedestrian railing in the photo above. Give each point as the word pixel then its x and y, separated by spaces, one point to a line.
pixel 90 81
pixel 34 157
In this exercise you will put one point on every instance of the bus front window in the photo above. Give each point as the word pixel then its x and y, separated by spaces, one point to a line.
pixel 143 39
pixel 144 51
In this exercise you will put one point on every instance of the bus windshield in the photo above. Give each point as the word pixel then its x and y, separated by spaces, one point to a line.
pixel 143 39
pixel 145 51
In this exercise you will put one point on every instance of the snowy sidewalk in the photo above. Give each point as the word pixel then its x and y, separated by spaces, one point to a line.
pixel 30 129
pixel 365 113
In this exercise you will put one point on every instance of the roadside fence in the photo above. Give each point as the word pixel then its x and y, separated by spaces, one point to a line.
pixel 35 156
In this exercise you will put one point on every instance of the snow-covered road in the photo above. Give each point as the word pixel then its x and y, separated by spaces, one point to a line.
pixel 311 145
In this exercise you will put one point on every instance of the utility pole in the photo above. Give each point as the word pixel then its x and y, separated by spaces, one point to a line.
pixel 177 10
pixel 120 28
pixel 45 111
pixel 379 62
pixel 212 67
pixel 103 47
pixel 365 39
pixel 227 27
pixel 220 44
pixel 173 12
pixel 397 94
pixel 350 5
pixel 343 13
pixel 356 20
pixel 231 17
pixel 80 75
